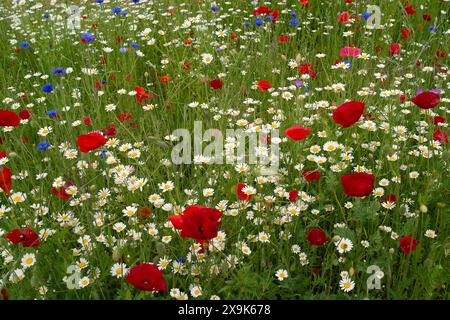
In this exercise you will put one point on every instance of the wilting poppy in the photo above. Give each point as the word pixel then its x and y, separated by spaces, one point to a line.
pixel 9 119
pixel 316 237
pixel 5 179
pixel 146 277
pixel 297 133
pixel 90 141
pixel 348 113
pixel 426 100
pixel 357 184
pixel 407 244
pixel 197 222
pixel 26 238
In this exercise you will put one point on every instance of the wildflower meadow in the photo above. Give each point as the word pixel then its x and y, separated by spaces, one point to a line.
pixel 233 150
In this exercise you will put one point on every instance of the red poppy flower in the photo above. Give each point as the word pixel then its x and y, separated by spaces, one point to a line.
pixel 243 196
pixel 307 69
pixel 5 179
pixel 441 136
pixel 316 237
pixel 141 94
pixel 304 3
pixel 146 277
pixel 261 10
pixel 197 222
pixel 357 184
pixel 61 192
pixel 27 237
pixel 265 10
pixel 438 119
pixel 124 116
pixel 348 113
pixel 440 54
pixel 410 10
pixel 9 119
pixel 395 48
pixel 283 38
pixel 343 17
pixel 293 195
pixel 216 84
pixel 87 121
pixel 406 33
pixel 310 175
pixel 263 85
pixel 90 141
pixel 3 154
pixel 408 244
pixel 233 36
pixel 25 114
pixel 297 133
pixel 426 100
pixel 165 78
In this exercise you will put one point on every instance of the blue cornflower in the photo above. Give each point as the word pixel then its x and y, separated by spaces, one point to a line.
pixel 43 145
pixel 24 45
pixel 349 63
pixel 46 16
pixel 269 18
pixel 214 8
pixel 246 24
pixel 124 12
pixel 135 45
pixel 293 22
pixel 181 259
pixel 99 1
pixel 366 15
pixel 258 22
pixel 48 87
pixel 116 10
pixel 103 154
pixel 123 50
pixel 136 1
pixel 432 28
pixel 52 113
pixel 87 37
pixel 58 71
